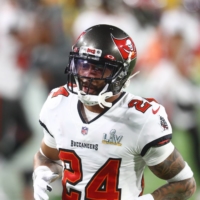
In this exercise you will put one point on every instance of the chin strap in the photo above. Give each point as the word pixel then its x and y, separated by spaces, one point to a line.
pixel 127 83
pixel 103 97
pixel 92 100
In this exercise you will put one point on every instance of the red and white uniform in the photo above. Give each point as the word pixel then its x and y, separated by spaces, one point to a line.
pixel 103 158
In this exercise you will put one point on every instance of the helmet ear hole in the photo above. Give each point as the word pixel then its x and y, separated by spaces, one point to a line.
pixel 116 86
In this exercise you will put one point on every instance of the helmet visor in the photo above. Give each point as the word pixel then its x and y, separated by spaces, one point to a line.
pixel 92 69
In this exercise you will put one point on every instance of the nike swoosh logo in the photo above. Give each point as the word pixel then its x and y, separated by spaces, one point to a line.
pixel 155 111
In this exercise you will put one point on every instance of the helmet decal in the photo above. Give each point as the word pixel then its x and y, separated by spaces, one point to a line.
pixel 110 57
pixel 126 47
pixel 90 51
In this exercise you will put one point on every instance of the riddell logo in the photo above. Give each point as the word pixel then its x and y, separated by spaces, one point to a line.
pixel 126 47
pixel 91 51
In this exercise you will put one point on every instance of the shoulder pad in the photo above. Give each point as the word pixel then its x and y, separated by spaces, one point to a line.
pixel 55 97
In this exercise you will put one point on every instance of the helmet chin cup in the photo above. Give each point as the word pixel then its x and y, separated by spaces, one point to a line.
pixel 92 100
pixel 100 99
pixel 103 97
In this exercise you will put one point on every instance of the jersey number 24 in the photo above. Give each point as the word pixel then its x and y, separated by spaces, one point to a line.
pixel 103 184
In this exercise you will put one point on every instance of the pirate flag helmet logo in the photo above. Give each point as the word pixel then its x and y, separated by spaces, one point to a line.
pixel 126 47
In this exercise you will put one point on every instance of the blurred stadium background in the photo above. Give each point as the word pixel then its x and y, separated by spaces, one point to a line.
pixel 35 39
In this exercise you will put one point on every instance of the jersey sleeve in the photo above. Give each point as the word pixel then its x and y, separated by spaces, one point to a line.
pixel 49 140
pixel 156 155
pixel 157 130
pixel 45 121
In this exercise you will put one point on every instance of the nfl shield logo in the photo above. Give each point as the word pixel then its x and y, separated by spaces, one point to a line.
pixel 84 130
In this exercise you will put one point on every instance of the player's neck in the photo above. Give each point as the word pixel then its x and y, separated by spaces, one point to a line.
pixel 97 108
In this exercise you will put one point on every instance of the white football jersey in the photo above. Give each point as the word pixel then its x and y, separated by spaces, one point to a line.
pixel 103 158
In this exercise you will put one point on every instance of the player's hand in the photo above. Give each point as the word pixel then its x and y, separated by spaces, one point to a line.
pixel 42 176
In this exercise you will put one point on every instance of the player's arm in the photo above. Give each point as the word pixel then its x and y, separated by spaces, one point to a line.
pixel 47 168
pixel 48 156
pixel 167 163
pixel 164 160
pixel 178 175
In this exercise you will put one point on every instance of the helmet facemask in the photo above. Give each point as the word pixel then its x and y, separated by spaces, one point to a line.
pixel 101 83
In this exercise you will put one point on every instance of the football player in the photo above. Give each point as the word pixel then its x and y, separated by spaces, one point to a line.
pixel 99 138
